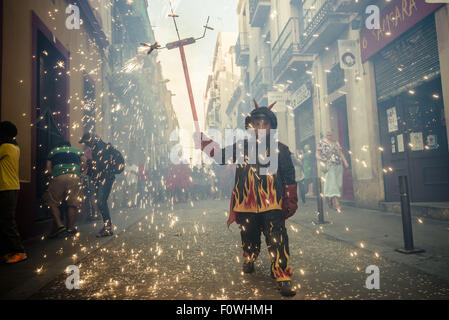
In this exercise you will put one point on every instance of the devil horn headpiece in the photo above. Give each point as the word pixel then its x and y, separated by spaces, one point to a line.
pixel 264 113
pixel 255 104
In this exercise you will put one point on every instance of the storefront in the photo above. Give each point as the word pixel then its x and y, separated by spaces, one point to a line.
pixel 302 103
pixel 335 83
pixel 410 102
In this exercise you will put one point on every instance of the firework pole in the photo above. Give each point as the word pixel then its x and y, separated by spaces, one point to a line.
pixel 189 88
pixel 181 44
pixel 146 49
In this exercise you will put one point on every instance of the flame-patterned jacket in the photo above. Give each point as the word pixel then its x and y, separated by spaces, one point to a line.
pixel 254 192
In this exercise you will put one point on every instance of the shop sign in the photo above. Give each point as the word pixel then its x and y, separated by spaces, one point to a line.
pixel 349 52
pixel 300 96
pixel 395 19
pixel 281 99
pixel 401 146
pixel 392 120
pixel 416 141
pixel 432 142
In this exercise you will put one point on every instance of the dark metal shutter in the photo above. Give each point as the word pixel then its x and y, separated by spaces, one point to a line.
pixel 408 61
pixel 305 120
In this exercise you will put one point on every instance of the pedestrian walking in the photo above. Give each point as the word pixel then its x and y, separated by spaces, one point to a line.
pixel 330 153
pixel 12 249
pixel 308 165
pixel 179 181
pixel 106 163
pixel 64 164
pixel 209 181
pixel 156 186
pixel 131 175
pixel 262 202
pixel 215 181
pixel 224 180
pixel 89 189
pixel 299 174
pixel 197 181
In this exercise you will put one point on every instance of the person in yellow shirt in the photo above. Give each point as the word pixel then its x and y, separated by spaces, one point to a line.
pixel 12 250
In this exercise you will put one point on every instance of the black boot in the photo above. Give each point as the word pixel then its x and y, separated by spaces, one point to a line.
pixel 248 267
pixel 286 289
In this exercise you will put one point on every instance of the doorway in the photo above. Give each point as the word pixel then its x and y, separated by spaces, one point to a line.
pixel 414 138
pixel 50 107
pixel 343 139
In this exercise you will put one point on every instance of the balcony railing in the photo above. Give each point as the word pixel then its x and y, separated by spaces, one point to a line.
pixel 242 50
pixel 259 11
pixel 324 20
pixel 286 45
pixel 263 75
pixel 261 82
pixel 311 12
pixel 234 100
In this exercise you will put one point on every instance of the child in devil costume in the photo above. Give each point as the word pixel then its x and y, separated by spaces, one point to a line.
pixel 261 203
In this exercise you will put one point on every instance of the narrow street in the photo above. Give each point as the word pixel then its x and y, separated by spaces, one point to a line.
pixel 188 253
pixel 111 107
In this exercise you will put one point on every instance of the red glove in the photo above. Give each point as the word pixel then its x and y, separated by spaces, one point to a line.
pixel 290 201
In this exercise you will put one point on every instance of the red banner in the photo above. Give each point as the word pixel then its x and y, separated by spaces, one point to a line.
pixel 395 19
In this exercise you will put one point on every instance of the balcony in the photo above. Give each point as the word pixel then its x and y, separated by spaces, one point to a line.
pixel 94 23
pixel 287 59
pixel 140 33
pixel 351 5
pixel 242 50
pixel 259 11
pixel 261 84
pixel 234 100
pixel 325 20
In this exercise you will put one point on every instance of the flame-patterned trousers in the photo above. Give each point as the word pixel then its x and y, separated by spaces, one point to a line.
pixel 271 223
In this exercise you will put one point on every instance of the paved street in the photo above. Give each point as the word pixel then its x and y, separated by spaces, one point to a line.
pixel 188 253
pixel 97 105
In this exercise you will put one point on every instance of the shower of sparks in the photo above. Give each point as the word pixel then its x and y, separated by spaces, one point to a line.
pixel 134 64
pixel 130 106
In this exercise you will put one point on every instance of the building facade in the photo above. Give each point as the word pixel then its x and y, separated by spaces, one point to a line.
pixel 382 92
pixel 387 108
pixel 43 85
pixel 222 84
pixel 59 82
pixel 406 60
